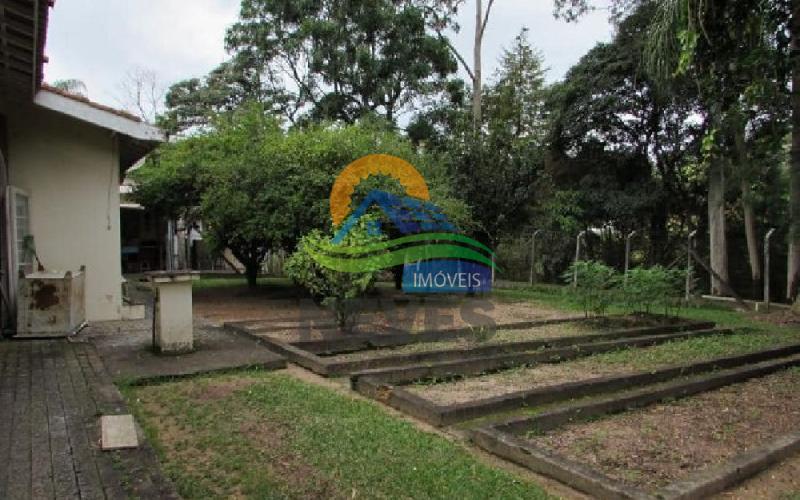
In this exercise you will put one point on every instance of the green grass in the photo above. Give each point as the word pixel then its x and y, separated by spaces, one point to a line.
pixel 225 281
pixel 559 297
pixel 742 341
pixel 335 446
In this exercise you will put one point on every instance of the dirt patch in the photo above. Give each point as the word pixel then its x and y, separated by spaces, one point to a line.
pixel 269 436
pixel 654 446
pixel 779 482
pixel 515 379
pixel 782 317
pixel 499 337
pixel 384 307
pixel 249 438
pixel 221 389
pixel 310 332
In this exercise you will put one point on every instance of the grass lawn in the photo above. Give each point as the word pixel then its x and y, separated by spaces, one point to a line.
pixel 226 281
pixel 269 435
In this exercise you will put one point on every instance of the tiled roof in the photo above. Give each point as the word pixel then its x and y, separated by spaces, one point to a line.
pixel 80 98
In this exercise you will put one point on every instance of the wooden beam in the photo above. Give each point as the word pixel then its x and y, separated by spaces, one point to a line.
pixel 20 42
pixel 8 50
pixel 15 42
pixel 18 26
pixel 18 67
pixel 18 9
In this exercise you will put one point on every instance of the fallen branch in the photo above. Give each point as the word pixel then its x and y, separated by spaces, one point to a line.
pixel 716 276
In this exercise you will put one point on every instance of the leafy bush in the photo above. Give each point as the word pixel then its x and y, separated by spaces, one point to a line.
pixel 597 285
pixel 334 289
pixel 646 289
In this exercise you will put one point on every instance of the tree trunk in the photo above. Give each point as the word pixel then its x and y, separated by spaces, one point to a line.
pixel 747 206
pixel 476 67
pixel 793 277
pixel 658 234
pixel 251 271
pixel 751 234
pixel 718 247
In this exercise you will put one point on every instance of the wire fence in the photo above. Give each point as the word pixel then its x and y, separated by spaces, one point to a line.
pixel 546 257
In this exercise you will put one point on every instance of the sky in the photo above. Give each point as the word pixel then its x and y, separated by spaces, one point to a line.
pixel 99 42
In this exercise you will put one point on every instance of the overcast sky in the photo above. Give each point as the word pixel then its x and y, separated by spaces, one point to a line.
pixel 98 42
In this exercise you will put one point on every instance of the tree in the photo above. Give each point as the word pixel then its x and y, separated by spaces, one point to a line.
pixel 516 101
pixel 72 86
pixel 442 12
pixel 344 59
pixel 496 170
pixel 335 289
pixel 257 187
pixel 731 42
pixel 192 104
pixel 626 147
pixel 142 94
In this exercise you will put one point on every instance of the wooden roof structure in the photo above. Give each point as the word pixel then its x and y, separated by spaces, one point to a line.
pixel 23 32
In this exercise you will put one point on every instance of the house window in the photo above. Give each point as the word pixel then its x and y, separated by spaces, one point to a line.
pixel 21 220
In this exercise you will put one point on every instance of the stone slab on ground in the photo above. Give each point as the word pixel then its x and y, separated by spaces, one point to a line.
pixel 126 349
pixel 117 432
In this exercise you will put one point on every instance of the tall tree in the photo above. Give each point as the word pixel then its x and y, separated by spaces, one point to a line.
pixel 345 59
pixel 442 13
pixel 793 278
pixel 729 48
pixel 193 103
pixel 142 94
pixel 747 33
pixel 630 146
pixel 496 170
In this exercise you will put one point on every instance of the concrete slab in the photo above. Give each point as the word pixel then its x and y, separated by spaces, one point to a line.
pixel 117 432
pixel 126 349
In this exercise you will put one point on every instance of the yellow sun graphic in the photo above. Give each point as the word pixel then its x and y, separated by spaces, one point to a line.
pixel 379 164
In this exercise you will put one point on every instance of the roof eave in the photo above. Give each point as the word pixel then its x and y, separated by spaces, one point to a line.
pixel 137 130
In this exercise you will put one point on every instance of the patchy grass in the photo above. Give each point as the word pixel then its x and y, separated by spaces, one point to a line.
pixel 449 391
pixel 744 340
pixel 269 435
pixel 560 297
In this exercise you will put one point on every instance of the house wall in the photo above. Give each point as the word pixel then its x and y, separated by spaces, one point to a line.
pixel 70 169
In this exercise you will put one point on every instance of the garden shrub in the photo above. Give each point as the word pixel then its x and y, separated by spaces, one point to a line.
pixel 337 290
pixel 597 285
pixel 657 287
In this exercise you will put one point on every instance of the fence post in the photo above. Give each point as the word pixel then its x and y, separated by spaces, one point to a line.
pixel 766 268
pixel 533 253
pixel 689 245
pixel 581 235
pixel 627 255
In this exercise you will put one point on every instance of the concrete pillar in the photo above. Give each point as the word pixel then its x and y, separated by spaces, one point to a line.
pixel 172 321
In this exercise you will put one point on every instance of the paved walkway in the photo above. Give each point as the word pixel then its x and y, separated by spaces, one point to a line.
pixel 51 395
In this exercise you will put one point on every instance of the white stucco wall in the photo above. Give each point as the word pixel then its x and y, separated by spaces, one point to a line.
pixel 70 169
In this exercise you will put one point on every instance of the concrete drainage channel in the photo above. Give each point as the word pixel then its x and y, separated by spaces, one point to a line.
pixel 504 438
pixel 314 354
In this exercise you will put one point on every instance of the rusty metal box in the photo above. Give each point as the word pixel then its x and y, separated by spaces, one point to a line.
pixel 50 304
